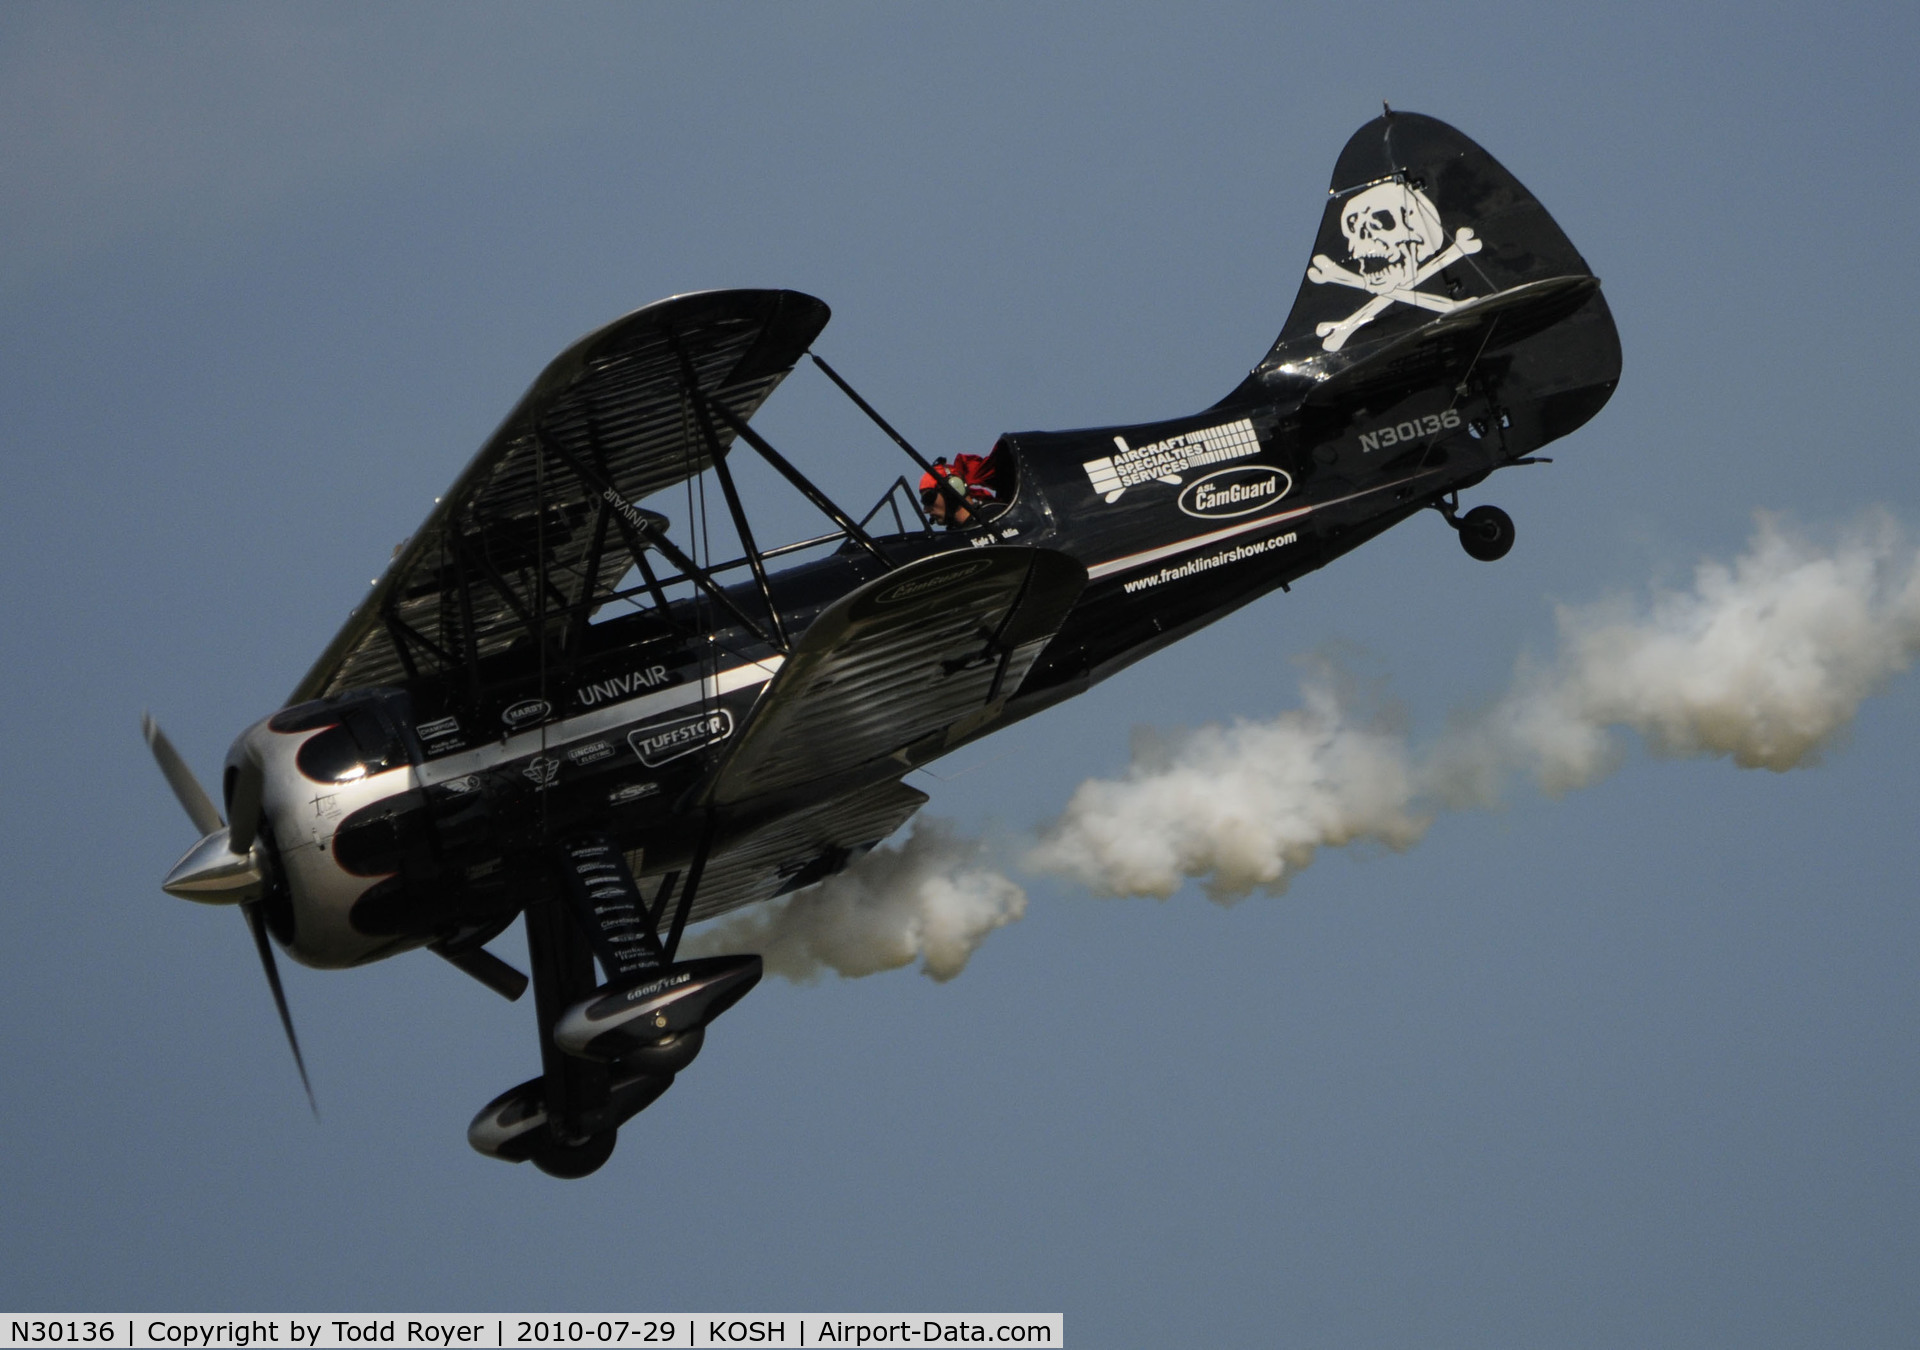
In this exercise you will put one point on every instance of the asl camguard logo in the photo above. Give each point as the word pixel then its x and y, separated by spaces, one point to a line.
pixel 1239 491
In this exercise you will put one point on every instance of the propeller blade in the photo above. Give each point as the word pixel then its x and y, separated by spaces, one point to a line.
pixel 180 778
pixel 257 921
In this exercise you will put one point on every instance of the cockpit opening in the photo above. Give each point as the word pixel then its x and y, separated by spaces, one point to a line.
pixel 987 484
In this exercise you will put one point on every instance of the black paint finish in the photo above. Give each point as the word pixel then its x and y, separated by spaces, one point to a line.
pixel 1445 328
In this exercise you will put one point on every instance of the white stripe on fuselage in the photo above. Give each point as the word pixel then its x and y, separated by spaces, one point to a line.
pixel 599 720
pixel 1154 555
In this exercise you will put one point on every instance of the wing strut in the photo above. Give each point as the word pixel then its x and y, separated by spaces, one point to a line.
pixel 685 907
pixel 641 534
pixel 847 524
pixel 660 898
pixel 691 384
pixel 955 502
pixel 582 609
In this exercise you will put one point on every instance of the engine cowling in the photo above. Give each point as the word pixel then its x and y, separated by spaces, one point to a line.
pixel 341 815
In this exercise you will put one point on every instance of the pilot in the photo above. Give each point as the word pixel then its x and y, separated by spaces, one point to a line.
pixel 967 476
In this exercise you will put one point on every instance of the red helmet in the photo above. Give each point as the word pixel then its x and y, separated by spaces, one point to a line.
pixel 966 474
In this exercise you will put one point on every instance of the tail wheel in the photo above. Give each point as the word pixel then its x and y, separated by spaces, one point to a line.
pixel 1486 533
pixel 572 1161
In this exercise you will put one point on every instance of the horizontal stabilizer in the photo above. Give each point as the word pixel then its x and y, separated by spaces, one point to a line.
pixel 1447 346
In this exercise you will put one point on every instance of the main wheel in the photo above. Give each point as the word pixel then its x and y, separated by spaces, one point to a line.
pixel 573 1161
pixel 1486 533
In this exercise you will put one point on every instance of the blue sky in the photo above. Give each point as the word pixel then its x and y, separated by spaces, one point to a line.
pixel 1636 1065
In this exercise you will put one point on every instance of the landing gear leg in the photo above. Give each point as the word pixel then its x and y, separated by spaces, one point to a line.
pixel 570 1162
pixel 579 1134
pixel 606 1052
pixel 1486 532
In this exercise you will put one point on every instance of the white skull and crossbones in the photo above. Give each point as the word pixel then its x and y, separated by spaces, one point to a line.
pixel 1393 238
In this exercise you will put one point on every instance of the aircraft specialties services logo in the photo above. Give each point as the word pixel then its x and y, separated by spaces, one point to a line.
pixel 1169 460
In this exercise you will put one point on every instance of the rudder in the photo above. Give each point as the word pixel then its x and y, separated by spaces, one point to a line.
pixel 1419 218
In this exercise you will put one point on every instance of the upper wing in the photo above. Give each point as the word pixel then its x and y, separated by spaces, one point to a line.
pixel 904 667
pixel 523 537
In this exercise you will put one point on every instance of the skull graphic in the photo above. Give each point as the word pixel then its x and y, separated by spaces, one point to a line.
pixel 1396 242
pixel 1391 229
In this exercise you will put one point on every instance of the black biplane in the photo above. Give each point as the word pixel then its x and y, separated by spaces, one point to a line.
pixel 547 706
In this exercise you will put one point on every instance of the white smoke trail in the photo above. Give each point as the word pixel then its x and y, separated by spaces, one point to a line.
pixel 932 898
pixel 1765 662
pixel 1244 805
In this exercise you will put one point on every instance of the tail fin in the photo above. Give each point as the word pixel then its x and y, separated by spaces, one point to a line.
pixel 1418 220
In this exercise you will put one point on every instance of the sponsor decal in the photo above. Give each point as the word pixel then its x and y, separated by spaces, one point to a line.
pixel 1165 461
pixel 590 753
pixel 326 815
pixel 442 727
pixel 1233 555
pixel 632 792
pixel 915 587
pixel 1396 243
pixel 542 770
pixel 663 742
pixel 623 686
pixel 525 711
pixel 1413 429
pixel 652 987
pixel 1132 562
pixel 460 787
pixel 1237 491
pixel 632 514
